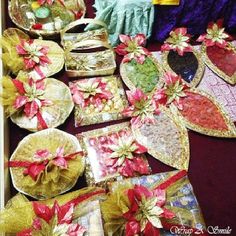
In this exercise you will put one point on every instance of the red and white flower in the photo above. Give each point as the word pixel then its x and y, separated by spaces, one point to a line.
pixel 215 35
pixel 30 96
pixel 146 211
pixel 132 48
pixel 91 91
pixel 124 156
pixel 173 90
pixel 178 41
pixel 42 159
pixel 53 221
pixel 142 109
pixel 34 55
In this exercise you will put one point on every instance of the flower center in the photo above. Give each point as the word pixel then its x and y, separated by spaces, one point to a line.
pixel 132 46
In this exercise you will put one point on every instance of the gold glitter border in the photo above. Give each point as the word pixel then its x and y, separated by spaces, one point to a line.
pixel 183 162
pixel 200 70
pixel 130 84
pixel 231 133
pixel 229 79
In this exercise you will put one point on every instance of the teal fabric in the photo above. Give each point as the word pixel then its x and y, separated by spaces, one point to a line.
pixel 125 17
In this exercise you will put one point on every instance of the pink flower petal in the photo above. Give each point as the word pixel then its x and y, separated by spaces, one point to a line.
pixel 42 154
pixel 20 101
pixel 76 230
pixel 181 30
pixel 43 211
pixel 140 148
pixel 124 38
pixel 37 224
pixel 121 49
pixel 60 162
pixel 140 39
pixel 31 109
pixel 19 86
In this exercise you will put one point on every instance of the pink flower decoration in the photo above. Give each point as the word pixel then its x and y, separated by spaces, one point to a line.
pixel 90 91
pixel 30 97
pixel 42 159
pixel 132 48
pixel 33 54
pixel 64 216
pixel 123 155
pixel 178 41
pixel 173 90
pixel 215 35
pixel 152 203
pixel 142 109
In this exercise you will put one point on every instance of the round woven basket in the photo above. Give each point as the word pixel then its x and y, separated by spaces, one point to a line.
pixel 19 17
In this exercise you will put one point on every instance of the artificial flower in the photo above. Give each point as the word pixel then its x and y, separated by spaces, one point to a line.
pixel 178 41
pixel 142 108
pixel 30 97
pixel 33 54
pixel 42 159
pixel 124 156
pixel 173 90
pixel 55 221
pixel 90 92
pixel 215 35
pixel 146 211
pixel 132 48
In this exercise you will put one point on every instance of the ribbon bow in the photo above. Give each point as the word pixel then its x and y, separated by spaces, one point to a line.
pixel 42 159
pixel 31 99
pixel 178 41
pixel 132 48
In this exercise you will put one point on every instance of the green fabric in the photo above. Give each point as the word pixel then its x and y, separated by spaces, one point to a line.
pixel 125 17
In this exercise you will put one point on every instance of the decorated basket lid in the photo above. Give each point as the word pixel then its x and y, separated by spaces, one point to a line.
pixel 41 58
pixel 36 105
pixel 45 17
pixel 46 164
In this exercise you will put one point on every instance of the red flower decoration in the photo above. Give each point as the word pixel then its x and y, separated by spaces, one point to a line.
pixel 90 91
pixel 215 35
pixel 57 219
pixel 42 159
pixel 124 156
pixel 142 108
pixel 33 54
pixel 132 48
pixel 178 41
pixel 30 98
pixel 173 90
pixel 146 211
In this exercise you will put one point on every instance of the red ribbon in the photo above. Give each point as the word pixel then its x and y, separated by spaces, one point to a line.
pixel 41 122
pixel 37 167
